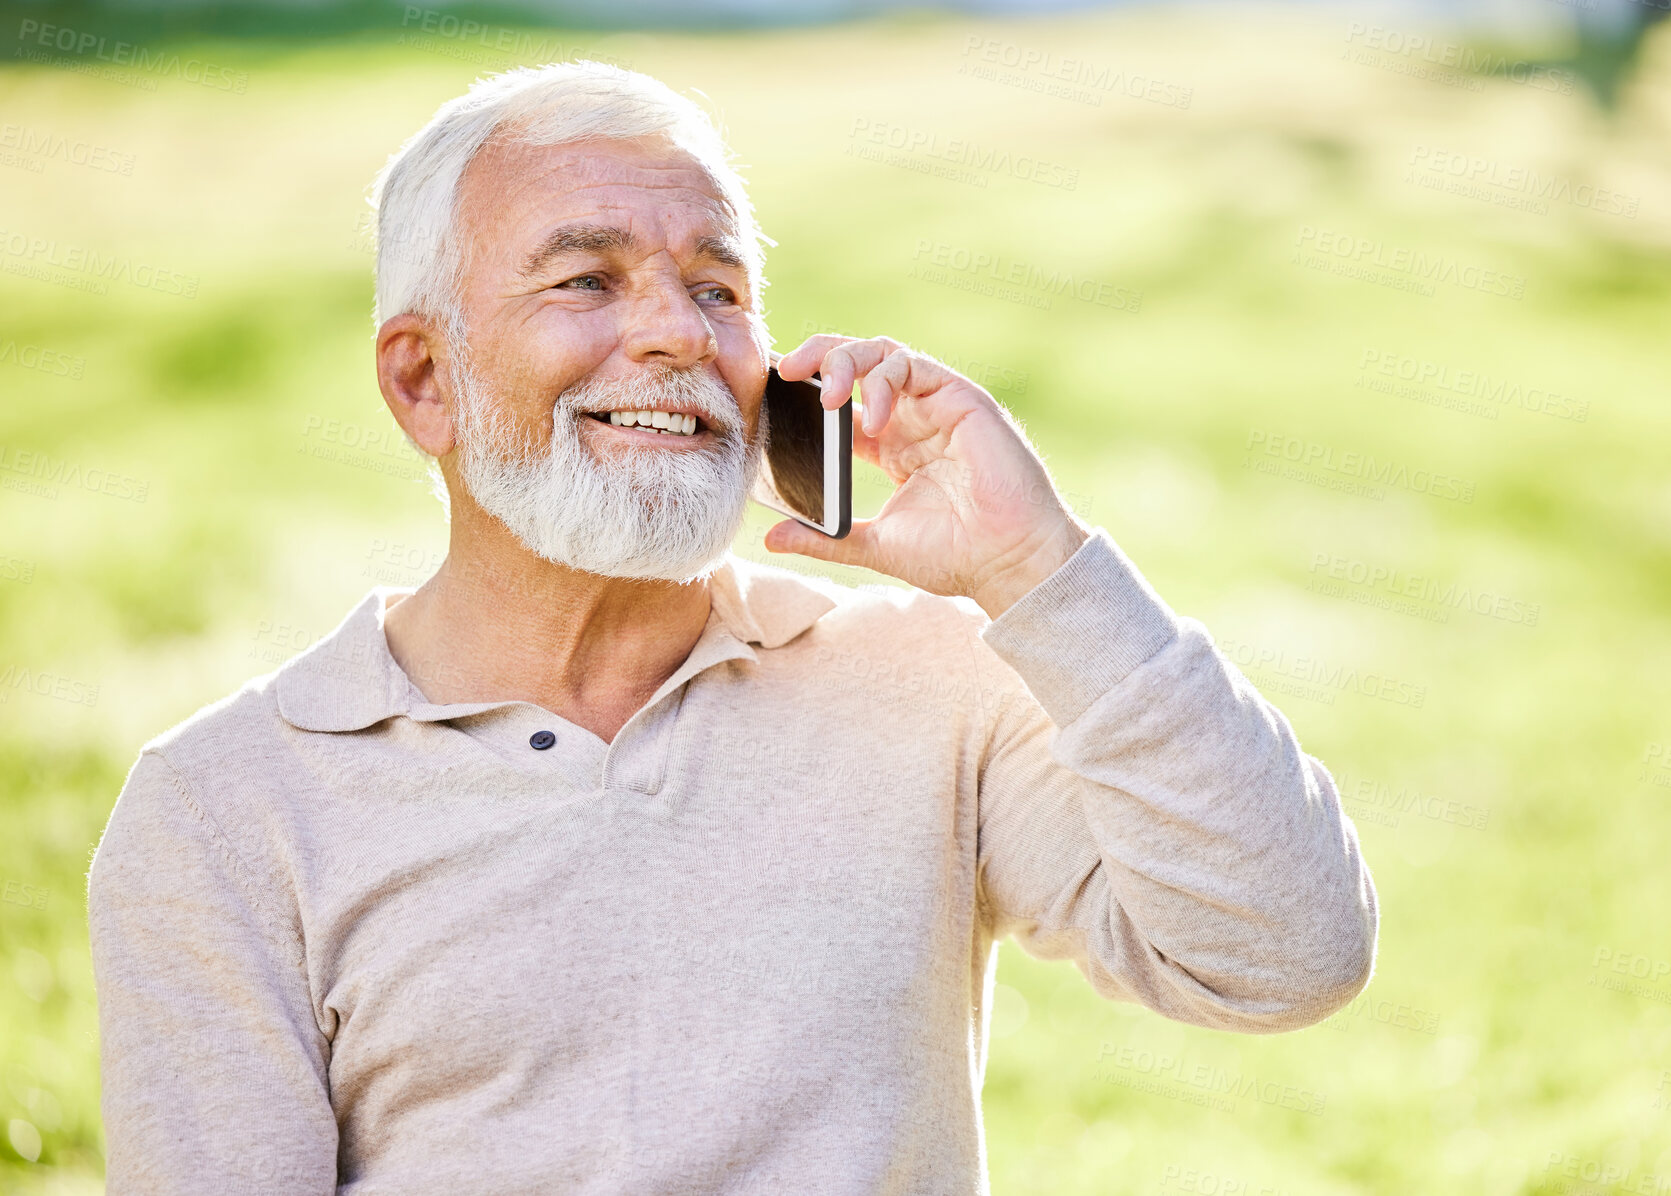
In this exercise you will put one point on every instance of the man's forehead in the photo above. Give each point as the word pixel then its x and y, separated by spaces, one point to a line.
pixel 537 186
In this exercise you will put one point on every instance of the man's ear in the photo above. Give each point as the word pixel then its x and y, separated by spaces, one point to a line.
pixel 409 352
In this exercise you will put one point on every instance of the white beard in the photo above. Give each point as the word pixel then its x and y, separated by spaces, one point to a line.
pixel 648 512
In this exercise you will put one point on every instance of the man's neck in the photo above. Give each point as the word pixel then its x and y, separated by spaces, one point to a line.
pixel 497 623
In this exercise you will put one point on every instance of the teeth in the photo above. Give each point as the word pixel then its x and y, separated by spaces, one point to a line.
pixel 666 422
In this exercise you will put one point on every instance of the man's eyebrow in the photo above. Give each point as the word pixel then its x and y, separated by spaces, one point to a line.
pixel 576 238
pixel 723 250
pixel 604 238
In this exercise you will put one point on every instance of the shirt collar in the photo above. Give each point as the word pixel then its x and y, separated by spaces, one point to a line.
pixel 348 680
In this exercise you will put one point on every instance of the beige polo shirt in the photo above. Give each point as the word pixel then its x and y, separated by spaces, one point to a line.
pixel 349 940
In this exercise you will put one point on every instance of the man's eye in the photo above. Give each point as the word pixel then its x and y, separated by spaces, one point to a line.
pixel 724 293
pixel 584 278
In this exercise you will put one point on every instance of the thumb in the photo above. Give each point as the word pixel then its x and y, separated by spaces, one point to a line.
pixel 794 536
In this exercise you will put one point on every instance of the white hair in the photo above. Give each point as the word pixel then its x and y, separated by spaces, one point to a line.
pixel 420 259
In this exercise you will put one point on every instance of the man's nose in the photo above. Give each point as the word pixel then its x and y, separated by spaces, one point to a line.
pixel 666 325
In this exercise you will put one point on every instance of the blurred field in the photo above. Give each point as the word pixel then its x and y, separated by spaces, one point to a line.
pixel 1509 771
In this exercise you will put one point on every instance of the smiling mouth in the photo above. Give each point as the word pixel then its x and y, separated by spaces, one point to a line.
pixel 672 424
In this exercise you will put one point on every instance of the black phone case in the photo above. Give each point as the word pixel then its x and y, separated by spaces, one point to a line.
pixel 844 458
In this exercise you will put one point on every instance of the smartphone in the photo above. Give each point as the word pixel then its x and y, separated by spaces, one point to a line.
pixel 806 471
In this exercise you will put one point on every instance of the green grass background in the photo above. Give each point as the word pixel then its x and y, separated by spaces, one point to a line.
pixel 1524 1075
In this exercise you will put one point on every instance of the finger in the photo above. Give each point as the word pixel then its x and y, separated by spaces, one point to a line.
pixel 793 536
pixel 802 362
pixel 866 447
pixel 879 387
pixel 846 363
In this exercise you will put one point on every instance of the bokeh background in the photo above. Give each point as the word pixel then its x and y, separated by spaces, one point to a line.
pixel 1350 325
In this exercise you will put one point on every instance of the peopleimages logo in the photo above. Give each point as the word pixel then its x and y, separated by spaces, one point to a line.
pixel 1373 260
pixel 39 257
pixel 1424 380
pixel 1388 803
pixel 1005 277
pixel 1400 583
pixel 1363 468
pixel 1492 180
pixel 44 360
pixel 1325 676
pixel 17 678
pixel 33 36
pixel 928 149
pixel 442 28
pixel 1421 55
pixel 41 474
pixel 1186 1075
pixel 1080 79
pixel 32 145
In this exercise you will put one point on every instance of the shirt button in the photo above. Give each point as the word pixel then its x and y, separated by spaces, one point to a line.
pixel 540 740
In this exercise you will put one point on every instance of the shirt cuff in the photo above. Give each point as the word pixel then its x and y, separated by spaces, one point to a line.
pixel 1082 630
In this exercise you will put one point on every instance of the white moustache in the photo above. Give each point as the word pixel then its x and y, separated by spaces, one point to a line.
pixel 692 388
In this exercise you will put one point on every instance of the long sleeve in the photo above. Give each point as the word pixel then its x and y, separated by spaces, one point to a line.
pixel 214 1067
pixel 1148 815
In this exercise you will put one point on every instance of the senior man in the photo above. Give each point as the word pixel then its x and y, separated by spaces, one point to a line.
pixel 608 861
